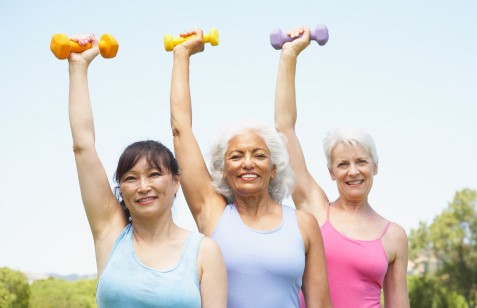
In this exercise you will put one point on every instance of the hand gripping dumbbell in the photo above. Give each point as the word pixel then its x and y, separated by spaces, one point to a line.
pixel 62 46
pixel 278 38
pixel 212 37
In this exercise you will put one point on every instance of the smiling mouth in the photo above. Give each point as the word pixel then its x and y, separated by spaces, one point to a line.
pixel 145 200
pixel 248 176
pixel 356 182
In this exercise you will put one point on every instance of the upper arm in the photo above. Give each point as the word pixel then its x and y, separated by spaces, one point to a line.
pixel 395 281
pixel 213 275
pixel 205 203
pixel 101 206
pixel 315 279
pixel 307 194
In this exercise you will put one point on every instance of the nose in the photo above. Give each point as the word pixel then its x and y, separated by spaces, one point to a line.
pixel 247 161
pixel 353 170
pixel 143 185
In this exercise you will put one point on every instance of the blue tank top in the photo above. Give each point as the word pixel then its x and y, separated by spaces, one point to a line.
pixel 126 282
pixel 264 268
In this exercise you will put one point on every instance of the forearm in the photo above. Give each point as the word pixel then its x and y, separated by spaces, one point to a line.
pixel 80 112
pixel 181 110
pixel 285 95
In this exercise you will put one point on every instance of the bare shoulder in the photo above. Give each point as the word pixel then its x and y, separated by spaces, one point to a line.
pixel 309 228
pixel 306 219
pixel 209 249
pixel 396 233
pixel 395 242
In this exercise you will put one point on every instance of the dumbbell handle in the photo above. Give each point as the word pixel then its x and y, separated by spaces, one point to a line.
pixel 278 38
pixel 170 42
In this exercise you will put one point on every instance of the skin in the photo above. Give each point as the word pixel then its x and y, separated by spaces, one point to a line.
pixel 148 194
pixel 248 169
pixel 352 168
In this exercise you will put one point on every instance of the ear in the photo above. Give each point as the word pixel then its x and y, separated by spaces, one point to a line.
pixel 274 172
pixel 176 183
pixel 333 177
pixel 375 169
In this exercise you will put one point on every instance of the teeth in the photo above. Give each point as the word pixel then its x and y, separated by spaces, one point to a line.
pixel 354 182
pixel 249 176
pixel 146 199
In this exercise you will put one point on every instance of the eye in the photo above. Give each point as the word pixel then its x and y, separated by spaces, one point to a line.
pixel 362 162
pixel 343 165
pixel 129 178
pixel 235 156
pixel 155 174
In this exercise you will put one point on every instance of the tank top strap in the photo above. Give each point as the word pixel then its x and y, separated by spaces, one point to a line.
pixel 385 229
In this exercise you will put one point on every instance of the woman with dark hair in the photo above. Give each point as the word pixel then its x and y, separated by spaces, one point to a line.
pixel 270 250
pixel 143 258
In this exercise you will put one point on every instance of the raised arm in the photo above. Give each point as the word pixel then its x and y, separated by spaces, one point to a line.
pixel 205 204
pixel 307 195
pixel 103 212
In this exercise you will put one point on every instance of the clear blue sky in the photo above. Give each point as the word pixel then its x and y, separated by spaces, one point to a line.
pixel 406 71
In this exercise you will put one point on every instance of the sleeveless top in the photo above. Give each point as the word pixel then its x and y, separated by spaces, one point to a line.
pixel 356 268
pixel 126 282
pixel 264 268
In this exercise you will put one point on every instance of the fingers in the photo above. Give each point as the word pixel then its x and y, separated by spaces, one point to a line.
pixel 299 31
pixel 194 41
pixel 301 39
pixel 88 51
pixel 84 39
pixel 195 31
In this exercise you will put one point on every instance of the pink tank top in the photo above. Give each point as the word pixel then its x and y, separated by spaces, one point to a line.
pixel 356 268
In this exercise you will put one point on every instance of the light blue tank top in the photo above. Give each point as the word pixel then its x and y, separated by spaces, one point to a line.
pixel 126 282
pixel 264 268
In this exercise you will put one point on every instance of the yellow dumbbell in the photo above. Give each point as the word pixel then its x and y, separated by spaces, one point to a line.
pixel 62 46
pixel 212 37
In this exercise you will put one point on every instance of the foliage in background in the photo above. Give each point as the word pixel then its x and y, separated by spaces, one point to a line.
pixel 14 289
pixel 59 293
pixel 443 256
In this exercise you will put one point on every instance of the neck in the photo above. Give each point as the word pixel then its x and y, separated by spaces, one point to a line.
pixel 254 206
pixel 351 206
pixel 154 229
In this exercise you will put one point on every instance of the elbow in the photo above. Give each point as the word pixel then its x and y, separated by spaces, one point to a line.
pixel 79 148
pixel 284 127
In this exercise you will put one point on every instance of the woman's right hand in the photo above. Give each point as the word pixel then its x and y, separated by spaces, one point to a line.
pixel 193 45
pixel 301 36
pixel 88 55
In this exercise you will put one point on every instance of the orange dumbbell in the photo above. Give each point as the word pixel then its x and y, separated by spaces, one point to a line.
pixel 61 46
pixel 212 37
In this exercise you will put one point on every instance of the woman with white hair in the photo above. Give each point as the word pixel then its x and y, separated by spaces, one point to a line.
pixel 365 253
pixel 270 250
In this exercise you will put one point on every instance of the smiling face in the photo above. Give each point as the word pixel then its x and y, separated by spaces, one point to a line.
pixel 248 166
pixel 148 191
pixel 353 169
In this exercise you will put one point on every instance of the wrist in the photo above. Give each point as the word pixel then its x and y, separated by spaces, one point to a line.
pixel 78 67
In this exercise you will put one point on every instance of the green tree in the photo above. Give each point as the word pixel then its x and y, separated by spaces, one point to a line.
pixel 59 293
pixel 444 254
pixel 14 289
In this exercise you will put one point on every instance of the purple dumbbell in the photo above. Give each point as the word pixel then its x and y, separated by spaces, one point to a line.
pixel 278 38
